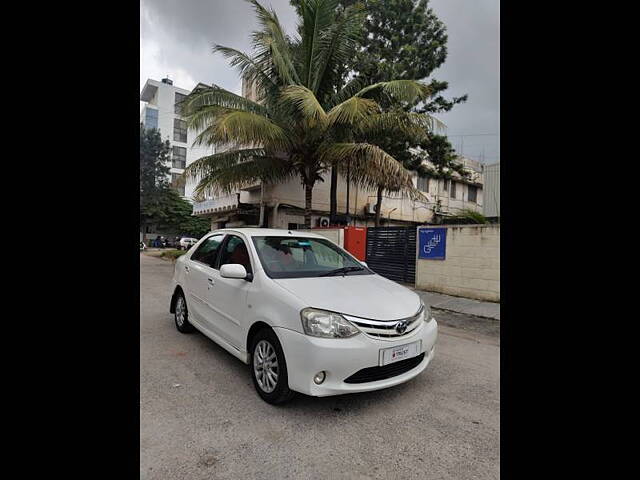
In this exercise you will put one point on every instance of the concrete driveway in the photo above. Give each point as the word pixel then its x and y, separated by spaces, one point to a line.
pixel 200 417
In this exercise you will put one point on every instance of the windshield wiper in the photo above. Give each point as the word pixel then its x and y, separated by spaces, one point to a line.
pixel 342 270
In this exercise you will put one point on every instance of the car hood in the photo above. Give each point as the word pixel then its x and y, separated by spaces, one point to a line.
pixel 366 296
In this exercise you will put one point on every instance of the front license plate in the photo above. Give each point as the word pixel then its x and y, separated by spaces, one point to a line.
pixel 401 352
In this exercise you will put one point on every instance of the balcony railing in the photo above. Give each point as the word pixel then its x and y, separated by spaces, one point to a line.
pixel 219 204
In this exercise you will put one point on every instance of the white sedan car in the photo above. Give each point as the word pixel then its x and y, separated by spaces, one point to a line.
pixel 302 312
pixel 185 243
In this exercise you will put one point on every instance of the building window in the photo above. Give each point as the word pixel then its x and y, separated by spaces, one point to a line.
pixel 423 184
pixel 179 130
pixel 177 183
pixel 445 185
pixel 179 158
pixel 151 118
pixel 473 194
pixel 453 189
pixel 179 99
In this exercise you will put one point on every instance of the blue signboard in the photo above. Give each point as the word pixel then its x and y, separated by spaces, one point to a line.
pixel 432 243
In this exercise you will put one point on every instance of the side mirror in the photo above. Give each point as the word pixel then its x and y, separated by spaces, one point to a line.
pixel 365 264
pixel 234 270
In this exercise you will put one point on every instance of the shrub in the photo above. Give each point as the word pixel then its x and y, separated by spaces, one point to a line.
pixel 172 254
pixel 466 216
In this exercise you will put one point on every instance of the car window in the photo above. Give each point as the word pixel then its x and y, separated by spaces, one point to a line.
pixel 296 257
pixel 207 252
pixel 235 251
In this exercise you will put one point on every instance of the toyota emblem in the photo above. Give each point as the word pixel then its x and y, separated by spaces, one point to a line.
pixel 401 326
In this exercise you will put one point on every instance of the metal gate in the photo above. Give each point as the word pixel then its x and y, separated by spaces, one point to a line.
pixel 391 252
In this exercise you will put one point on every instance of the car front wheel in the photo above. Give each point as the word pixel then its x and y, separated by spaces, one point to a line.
pixel 269 369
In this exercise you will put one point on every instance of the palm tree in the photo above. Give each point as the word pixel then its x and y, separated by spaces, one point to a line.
pixel 300 126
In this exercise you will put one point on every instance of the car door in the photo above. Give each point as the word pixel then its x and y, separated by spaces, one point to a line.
pixel 200 279
pixel 229 295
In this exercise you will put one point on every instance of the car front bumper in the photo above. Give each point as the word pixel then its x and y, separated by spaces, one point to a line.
pixel 342 357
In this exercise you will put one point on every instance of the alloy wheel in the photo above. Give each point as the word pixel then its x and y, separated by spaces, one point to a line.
pixel 265 366
pixel 180 311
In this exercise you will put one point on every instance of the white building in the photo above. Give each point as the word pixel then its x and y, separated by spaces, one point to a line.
pixel 281 205
pixel 160 112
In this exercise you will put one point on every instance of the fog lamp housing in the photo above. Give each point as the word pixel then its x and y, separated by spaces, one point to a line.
pixel 319 377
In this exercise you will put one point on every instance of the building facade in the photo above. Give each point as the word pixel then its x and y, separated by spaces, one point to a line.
pixel 281 205
pixel 161 111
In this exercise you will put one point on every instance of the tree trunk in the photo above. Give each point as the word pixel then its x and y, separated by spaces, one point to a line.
pixel 333 194
pixel 308 191
pixel 379 207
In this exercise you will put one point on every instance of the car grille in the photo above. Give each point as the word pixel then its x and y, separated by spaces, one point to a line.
pixel 373 374
pixel 387 329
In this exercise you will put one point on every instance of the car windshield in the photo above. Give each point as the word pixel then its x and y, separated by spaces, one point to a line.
pixel 297 257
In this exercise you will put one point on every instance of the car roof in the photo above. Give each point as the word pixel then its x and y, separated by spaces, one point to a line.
pixel 269 232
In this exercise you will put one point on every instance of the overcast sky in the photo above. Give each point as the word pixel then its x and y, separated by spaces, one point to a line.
pixel 176 37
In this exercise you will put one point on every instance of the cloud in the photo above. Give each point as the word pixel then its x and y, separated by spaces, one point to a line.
pixel 472 67
pixel 187 30
pixel 176 38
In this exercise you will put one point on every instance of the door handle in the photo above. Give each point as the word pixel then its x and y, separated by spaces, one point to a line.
pixel 186 267
pixel 211 282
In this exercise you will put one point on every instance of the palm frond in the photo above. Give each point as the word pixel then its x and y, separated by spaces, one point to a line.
pixel 202 107
pixel 249 69
pixel 229 171
pixel 272 46
pixel 352 87
pixel 352 111
pixel 204 117
pixel 409 91
pixel 338 43
pixel 415 125
pixel 317 16
pixel 219 97
pixel 371 167
pixel 306 103
pixel 244 128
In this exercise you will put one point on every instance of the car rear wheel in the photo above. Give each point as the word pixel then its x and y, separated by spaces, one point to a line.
pixel 181 315
pixel 269 368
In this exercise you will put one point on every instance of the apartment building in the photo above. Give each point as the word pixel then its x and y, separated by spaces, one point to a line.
pixel 161 111
pixel 281 205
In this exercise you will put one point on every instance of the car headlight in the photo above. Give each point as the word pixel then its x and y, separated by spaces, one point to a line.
pixel 426 312
pixel 320 323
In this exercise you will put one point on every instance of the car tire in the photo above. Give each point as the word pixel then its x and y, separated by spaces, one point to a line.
pixel 181 315
pixel 278 392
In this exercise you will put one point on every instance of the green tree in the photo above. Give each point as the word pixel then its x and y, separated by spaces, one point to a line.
pixel 170 212
pixel 403 39
pixel 442 156
pixel 161 205
pixel 154 156
pixel 302 125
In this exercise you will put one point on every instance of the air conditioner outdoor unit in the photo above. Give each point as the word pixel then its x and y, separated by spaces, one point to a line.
pixel 370 208
pixel 324 222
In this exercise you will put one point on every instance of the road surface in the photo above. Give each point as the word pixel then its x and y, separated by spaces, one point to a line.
pixel 200 417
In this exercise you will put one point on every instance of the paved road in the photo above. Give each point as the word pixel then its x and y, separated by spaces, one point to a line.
pixel 200 417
